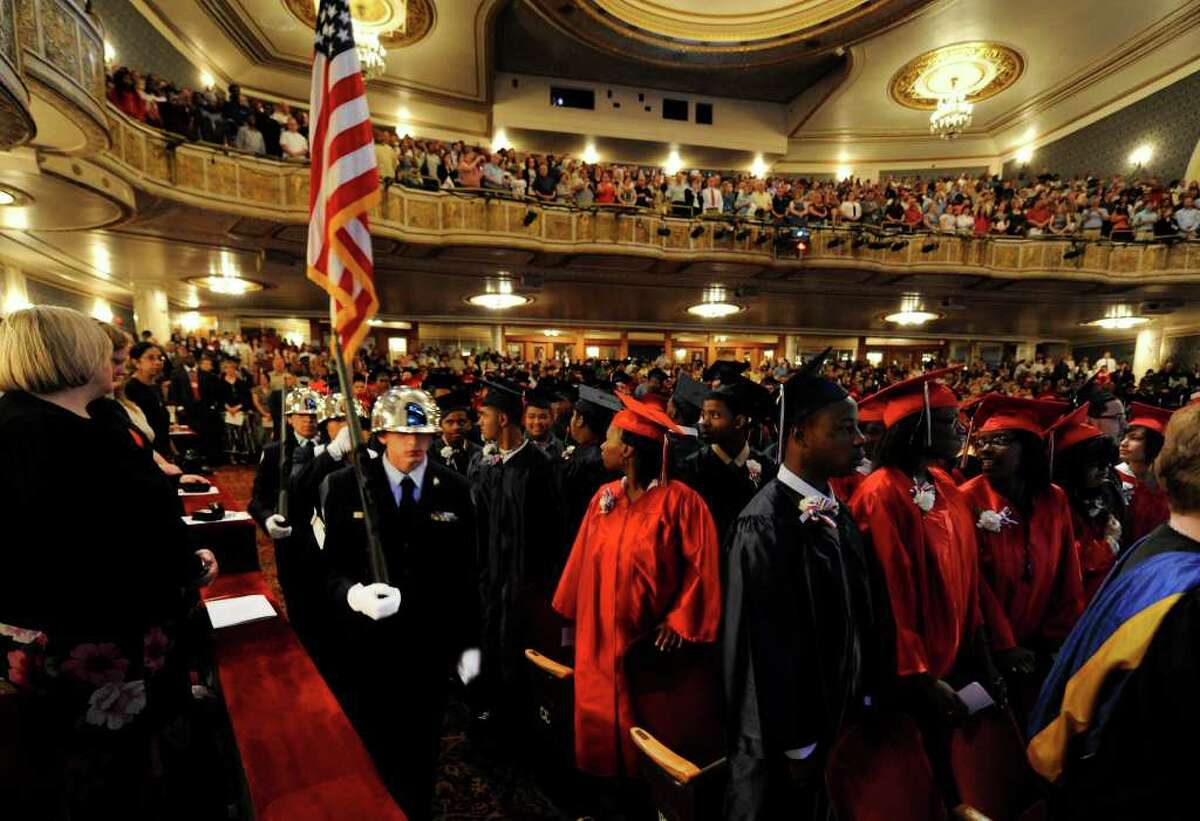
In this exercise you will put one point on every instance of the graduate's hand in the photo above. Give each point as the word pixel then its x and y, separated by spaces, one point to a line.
pixel 277 527
pixel 1017 660
pixel 209 562
pixel 944 700
pixel 667 640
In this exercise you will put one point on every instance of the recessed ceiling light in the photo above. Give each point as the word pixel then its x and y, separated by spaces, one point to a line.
pixel 1118 323
pixel 714 304
pixel 498 296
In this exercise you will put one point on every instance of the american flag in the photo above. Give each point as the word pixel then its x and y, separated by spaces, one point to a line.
pixel 344 181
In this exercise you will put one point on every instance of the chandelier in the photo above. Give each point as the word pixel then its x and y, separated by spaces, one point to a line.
pixel 952 115
pixel 372 56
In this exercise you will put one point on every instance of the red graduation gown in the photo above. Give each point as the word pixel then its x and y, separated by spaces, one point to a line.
pixel 1147 507
pixel 631 569
pixel 1096 555
pixel 1034 609
pixel 931 564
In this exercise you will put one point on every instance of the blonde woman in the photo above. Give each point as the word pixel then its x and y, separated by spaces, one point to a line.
pixel 96 586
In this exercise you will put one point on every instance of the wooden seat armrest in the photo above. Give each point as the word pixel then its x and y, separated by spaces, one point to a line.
pixel 675 765
pixel 549 665
pixel 965 812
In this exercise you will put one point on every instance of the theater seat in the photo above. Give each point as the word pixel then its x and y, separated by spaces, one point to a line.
pixel 680 738
pixel 878 771
pixel 554 706
pixel 991 772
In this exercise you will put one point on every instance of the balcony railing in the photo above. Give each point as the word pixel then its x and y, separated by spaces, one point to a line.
pixel 227 179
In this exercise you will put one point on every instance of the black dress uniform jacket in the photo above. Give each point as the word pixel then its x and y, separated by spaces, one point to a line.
pixel 725 488
pixel 399 668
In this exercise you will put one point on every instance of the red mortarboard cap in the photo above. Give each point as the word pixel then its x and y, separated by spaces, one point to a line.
pixel 1149 416
pixel 656 399
pixel 997 412
pixel 870 410
pixel 1073 429
pixel 908 397
pixel 644 419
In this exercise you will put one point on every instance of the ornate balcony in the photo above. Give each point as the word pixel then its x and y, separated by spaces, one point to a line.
pixel 228 180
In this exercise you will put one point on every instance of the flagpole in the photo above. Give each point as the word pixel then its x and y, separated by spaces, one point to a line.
pixel 281 504
pixel 374 546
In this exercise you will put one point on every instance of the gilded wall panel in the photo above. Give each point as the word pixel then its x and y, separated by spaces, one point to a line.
pixel 60 38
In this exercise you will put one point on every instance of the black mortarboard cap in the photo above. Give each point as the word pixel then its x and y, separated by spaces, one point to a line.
pixel 504 396
pixel 808 391
pixel 725 371
pixel 457 400
pixel 539 397
pixel 440 379
pixel 598 398
pixel 744 397
pixel 689 393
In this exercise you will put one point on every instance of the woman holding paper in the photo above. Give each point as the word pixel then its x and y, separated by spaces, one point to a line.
pixel 92 599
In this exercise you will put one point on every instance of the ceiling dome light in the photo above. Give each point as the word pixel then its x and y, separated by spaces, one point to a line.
pixel 1118 323
pixel 909 318
pixel 498 296
pixel 714 304
pixel 228 284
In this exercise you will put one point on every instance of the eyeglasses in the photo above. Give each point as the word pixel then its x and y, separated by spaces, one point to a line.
pixel 998 440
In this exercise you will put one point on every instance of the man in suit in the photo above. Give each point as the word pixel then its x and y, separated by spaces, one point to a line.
pixel 406 633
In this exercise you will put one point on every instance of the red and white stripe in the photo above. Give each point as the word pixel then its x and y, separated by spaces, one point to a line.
pixel 344 186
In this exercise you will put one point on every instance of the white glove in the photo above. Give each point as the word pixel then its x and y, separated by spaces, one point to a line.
pixel 468 664
pixel 375 601
pixel 340 445
pixel 277 528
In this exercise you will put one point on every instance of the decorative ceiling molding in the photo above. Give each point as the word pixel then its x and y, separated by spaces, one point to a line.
pixel 983 67
pixel 379 15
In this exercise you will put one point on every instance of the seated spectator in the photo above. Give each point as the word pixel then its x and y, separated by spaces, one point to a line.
pixel 292 143
pixel 1038 218
pixel 249 138
pixel 851 209
pixel 817 210
pixel 1187 217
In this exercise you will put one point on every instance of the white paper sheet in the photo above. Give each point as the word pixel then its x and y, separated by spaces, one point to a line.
pixel 211 490
pixel 230 516
pixel 239 610
pixel 975 697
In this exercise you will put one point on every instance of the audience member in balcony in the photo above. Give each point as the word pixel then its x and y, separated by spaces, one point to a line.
pixel 893 214
pixel 1037 218
pixel 148 90
pixel 676 193
pixel 1187 217
pixel 126 96
pixel 816 210
pixel 712 202
pixel 281 113
pixel 292 143
pixel 627 194
pixel 851 209
pixel 1144 218
pixel 544 186
pixel 728 197
pixel 913 218
pixel 210 120
pixel 249 138
pixel 269 128
pixel 494 175
pixel 945 220
pixel 470 170
pixel 644 192
pixel 761 199
pixel 1119 228
pixel 1165 224
pixel 606 192
pixel 781 201
pixel 236 110
pixel 1063 221
pixel 964 220
pixel 385 157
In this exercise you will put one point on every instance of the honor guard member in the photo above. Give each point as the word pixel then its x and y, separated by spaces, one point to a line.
pixel 404 637
pixel 292 557
pixel 538 419
pixel 581 471
pixel 452 447
pixel 726 471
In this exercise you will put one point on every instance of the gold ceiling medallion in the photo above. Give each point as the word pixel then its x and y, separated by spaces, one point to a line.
pixel 396 23
pixel 974 71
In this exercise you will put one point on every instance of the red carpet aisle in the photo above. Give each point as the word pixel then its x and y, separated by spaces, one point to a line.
pixel 473 783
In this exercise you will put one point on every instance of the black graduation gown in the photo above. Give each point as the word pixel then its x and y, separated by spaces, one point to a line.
pixel 580 474
pixel 799 651
pixel 520 554
pixel 399 668
pixel 1140 770
pixel 552 446
pixel 463 454
pixel 725 488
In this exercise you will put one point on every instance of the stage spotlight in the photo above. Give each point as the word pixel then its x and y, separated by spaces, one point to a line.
pixel 858 242
pixel 899 245
pixel 930 247
pixel 877 245
pixel 1076 250
pixel 697 232
pixel 664 231
pixel 530 216
pixel 762 237
pixel 720 233
pixel 743 234
pixel 835 242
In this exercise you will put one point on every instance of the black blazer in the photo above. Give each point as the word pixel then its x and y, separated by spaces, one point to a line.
pixel 431 559
pixel 264 496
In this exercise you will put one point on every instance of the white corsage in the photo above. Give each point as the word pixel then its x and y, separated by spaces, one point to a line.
pixel 754 470
pixel 994 521
pixel 1127 489
pixel 607 501
pixel 818 509
pixel 491 454
pixel 447 453
pixel 923 495
pixel 568 451
pixel 1112 534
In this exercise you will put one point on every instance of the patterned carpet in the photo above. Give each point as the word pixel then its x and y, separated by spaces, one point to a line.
pixel 475 780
